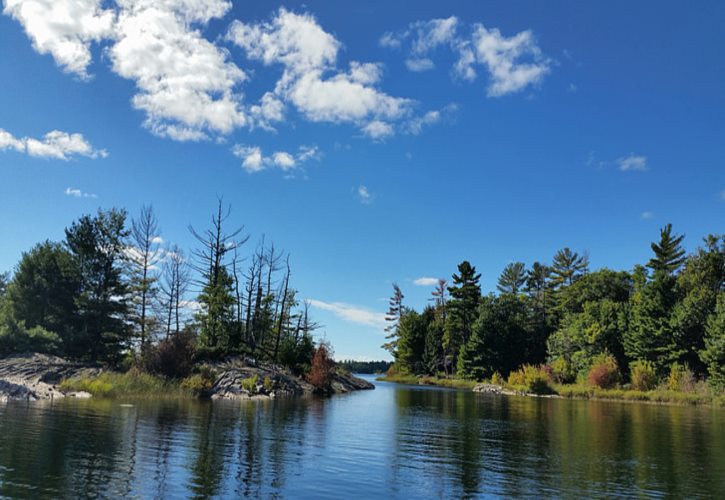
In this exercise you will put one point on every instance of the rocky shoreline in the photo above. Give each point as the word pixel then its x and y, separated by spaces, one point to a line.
pixel 33 377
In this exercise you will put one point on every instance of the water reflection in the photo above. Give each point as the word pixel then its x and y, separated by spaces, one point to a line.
pixel 392 442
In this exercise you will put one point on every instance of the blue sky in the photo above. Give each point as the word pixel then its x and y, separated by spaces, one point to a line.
pixel 374 141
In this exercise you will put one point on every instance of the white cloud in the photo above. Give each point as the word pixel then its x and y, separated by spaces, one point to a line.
pixel 722 195
pixel 55 144
pixel 502 57
pixel 186 83
pixel 513 63
pixel 419 65
pixel 378 130
pixel 646 215
pixel 64 29
pixel 310 80
pixel 352 314
pixel 254 161
pixel 416 124
pixel 632 163
pixel 365 195
pixel 425 281
pixel 77 193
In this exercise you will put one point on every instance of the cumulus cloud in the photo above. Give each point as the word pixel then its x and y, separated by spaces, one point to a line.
pixel 416 124
pixel 364 195
pixel 632 163
pixel 64 29
pixel 55 145
pixel 513 63
pixel 351 313
pixel 425 281
pixel 311 80
pixel 254 161
pixel 186 83
pixel 77 193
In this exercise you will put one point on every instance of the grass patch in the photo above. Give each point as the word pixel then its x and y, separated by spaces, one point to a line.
pixel 454 383
pixel 655 396
pixel 133 383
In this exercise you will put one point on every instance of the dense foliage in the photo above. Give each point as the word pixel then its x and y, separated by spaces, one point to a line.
pixel 110 292
pixel 364 366
pixel 656 321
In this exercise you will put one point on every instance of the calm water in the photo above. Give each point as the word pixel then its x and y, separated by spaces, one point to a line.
pixel 396 441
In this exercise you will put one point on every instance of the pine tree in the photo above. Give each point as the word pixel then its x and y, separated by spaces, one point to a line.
pixel 713 355
pixel 568 266
pixel 461 310
pixel 669 254
pixel 513 278
pixel 395 312
pixel 97 245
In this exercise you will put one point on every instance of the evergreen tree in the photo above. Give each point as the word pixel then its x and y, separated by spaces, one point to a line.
pixel 393 316
pixel 669 254
pixel 97 245
pixel 513 278
pixel 568 266
pixel 413 329
pixel 433 356
pixel 713 355
pixel 461 310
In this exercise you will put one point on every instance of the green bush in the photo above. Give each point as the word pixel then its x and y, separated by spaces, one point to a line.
pixel 268 384
pixel 604 372
pixel 249 384
pixel 643 375
pixel 497 379
pixel 681 378
pixel 562 371
pixel 533 379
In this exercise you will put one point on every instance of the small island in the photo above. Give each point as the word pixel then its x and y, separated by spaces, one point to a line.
pixel 109 312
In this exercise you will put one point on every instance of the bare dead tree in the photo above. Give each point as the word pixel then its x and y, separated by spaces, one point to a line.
pixel 282 311
pixel 176 278
pixel 215 244
pixel 143 255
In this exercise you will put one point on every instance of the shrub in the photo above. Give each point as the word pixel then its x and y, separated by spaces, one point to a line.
pixel 172 357
pixel 681 378
pixel 562 371
pixel 268 384
pixel 604 372
pixel 643 375
pixel 497 379
pixel 534 379
pixel 113 384
pixel 201 382
pixel 320 374
pixel 249 384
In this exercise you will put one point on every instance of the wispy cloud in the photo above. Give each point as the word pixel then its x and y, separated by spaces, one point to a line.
pixel 722 195
pixel 254 161
pixel 425 281
pixel 365 196
pixel 77 193
pixel 512 63
pixel 632 163
pixel 646 215
pixel 54 145
pixel 351 313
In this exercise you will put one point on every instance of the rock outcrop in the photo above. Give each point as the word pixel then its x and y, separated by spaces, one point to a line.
pixel 271 381
pixel 35 376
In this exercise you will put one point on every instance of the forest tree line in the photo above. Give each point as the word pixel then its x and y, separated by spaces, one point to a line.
pixel 113 288
pixel 666 315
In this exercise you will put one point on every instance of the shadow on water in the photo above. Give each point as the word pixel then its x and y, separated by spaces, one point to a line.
pixel 395 441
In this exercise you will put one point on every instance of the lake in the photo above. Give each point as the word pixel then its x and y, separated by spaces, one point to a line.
pixel 394 442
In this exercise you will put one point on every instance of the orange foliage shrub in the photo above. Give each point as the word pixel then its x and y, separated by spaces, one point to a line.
pixel 321 372
pixel 604 372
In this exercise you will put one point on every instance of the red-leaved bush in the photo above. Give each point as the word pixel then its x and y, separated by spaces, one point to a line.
pixel 604 372
pixel 321 372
